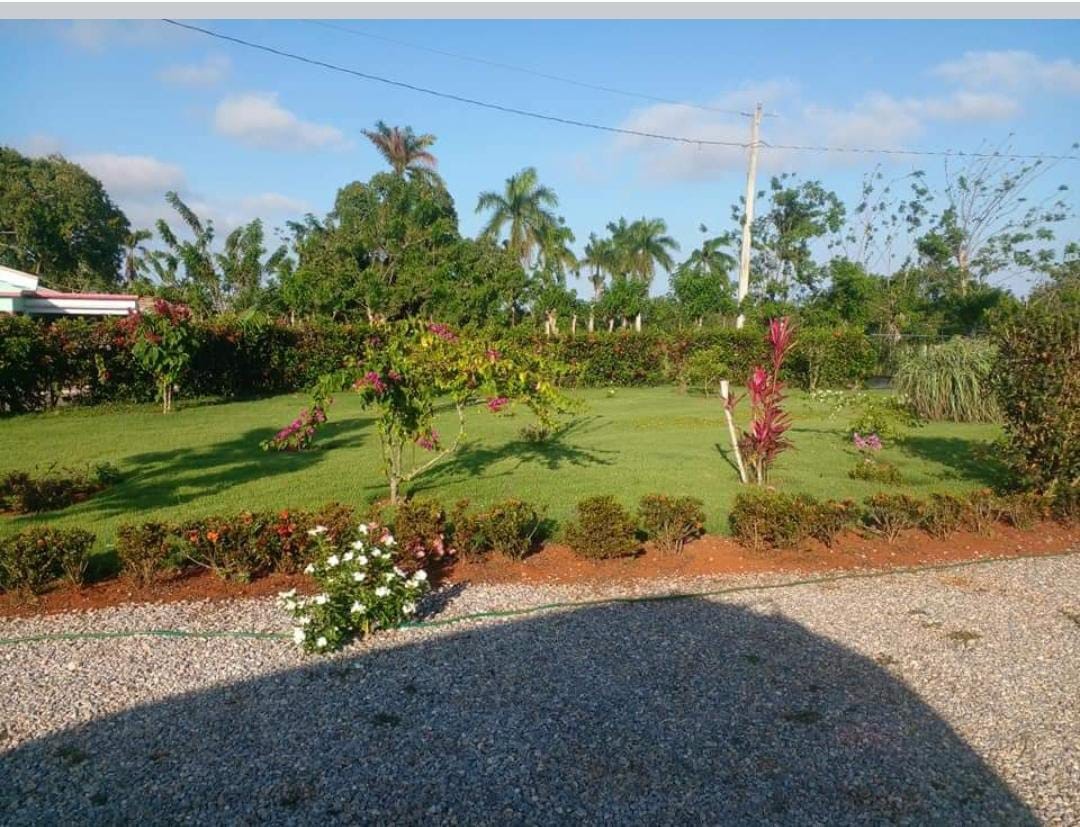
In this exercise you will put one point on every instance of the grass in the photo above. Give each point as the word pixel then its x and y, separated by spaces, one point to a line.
pixel 205 458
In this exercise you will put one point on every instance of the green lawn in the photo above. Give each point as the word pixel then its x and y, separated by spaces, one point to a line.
pixel 205 458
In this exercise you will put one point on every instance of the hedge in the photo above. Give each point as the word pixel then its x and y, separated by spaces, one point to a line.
pixel 91 360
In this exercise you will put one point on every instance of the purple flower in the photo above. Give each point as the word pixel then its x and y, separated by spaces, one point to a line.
pixel 870 442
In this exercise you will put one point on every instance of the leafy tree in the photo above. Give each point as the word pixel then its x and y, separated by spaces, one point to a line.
pixel 792 216
pixel 57 222
pixel 406 152
pixel 523 211
pixel 701 284
pixel 484 286
pixel 640 247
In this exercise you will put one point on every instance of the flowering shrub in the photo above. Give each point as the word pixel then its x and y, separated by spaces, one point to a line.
pixel 764 440
pixel 359 590
pixel 147 550
pixel 419 526
pixel 298 434
pixel 869 467
pixel 33 558
pixel 163 345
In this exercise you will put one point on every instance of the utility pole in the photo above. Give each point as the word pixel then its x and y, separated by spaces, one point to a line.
pixel 748 217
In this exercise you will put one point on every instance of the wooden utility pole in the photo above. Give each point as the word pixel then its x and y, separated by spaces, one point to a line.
pixel 748 217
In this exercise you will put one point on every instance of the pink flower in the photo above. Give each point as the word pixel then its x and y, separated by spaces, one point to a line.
pixel 376 382
pixel 871 442
pixel 443 331
pixel 492 354
pixel 428 441
pixel 497 403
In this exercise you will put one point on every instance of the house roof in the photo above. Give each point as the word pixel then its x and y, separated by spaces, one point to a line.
pixel 34 300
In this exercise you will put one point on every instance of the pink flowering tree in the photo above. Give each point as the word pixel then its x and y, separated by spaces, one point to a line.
pixel 408 367
pixel 764 440
pixel 162 343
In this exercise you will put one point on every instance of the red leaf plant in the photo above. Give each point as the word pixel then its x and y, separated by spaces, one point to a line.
pixel 764 440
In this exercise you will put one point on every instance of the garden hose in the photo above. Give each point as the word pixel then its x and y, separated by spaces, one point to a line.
pixel 48 637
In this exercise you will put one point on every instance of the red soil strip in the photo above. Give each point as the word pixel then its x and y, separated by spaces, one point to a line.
pixel 710 556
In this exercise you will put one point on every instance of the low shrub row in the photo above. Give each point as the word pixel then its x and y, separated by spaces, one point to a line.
pixel 604 528
pixel 34 558
pixel 772 519
pixel 22 493
pixel 92 360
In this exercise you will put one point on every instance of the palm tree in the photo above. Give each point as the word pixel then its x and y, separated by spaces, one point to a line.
pixel 600 259
pixel 134 254
pixel 643 245
pixel 524 207
pixel 405 151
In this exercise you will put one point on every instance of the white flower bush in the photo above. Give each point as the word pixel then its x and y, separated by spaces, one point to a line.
pixel 360 590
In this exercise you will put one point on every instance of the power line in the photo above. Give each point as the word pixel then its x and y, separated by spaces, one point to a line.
pixel 526 71
pixel 700 142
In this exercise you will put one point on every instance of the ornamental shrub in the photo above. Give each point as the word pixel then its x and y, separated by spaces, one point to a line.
pixel 764 518
pixel 1022 509
pixel 228 546
pixel 870 469
pixel 603 529
pixel 944 515
pixel 512 528
pixel 147 550
pixel 24 494
pixel 831 358
pixel 35 557
pixel 889 514
pixel 671 522
pixel 1037 387
pixel 359 590
pixel 419 527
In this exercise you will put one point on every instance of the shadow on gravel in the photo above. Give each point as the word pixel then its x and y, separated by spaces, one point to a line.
pixel 664 712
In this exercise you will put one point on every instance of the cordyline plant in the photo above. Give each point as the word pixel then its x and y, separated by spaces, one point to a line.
pixel 764 440
pixel 407 367
pixel 162 343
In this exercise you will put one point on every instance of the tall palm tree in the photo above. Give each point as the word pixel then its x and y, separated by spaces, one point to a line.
pixel 135 254
pixel 642 246
pixel 600 258
pixel 524 209
pixel 405 151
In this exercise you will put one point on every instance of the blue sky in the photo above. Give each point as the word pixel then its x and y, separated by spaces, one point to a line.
pixel 241 134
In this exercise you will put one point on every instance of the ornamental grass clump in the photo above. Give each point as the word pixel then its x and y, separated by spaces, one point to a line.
pixel 360 589
pixel 949 382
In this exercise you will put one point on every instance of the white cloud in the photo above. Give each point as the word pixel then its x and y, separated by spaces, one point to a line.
pixel 211 71
pixel 40 144
pixel 256 119
pixel 273 202
pixel 97 35
pixel 132 175
pixel 1013 70
pixel 877 120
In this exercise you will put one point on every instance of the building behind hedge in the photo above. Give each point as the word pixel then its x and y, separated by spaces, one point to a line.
pixel 22 294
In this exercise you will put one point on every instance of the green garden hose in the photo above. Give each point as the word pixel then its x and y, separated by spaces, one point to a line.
pixel 569 604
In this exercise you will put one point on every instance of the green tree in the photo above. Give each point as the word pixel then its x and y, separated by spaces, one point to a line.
pixel 135 255
pixel 702 284
pixel 57 222
pixel 640 247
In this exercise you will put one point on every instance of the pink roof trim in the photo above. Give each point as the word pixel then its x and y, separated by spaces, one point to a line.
pixel 46 293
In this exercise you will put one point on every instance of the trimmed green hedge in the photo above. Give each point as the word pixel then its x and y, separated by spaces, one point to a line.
pixel 92 358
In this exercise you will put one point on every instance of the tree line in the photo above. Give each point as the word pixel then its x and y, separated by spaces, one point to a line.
pixel 905 258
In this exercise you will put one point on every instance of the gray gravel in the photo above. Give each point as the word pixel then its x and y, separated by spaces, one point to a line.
pixel 936 697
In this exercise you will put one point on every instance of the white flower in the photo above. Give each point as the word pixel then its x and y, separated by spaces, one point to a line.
pixel 388 576
pixel 347 556
pixel 319 529
pixel 357 608
pixel 321 642
pixel 290 605
pixel 389 541
pixel 362 528
pixel 305 621
pixel 420 575
pixel 298 634
pixel 309 569
pixel 382 591
pixel 409 608
pixel 321 599
pixel 359 576
pixel 332 560
pixel 411 584
pixel 398 572
pixel 358 545
pixel 361 560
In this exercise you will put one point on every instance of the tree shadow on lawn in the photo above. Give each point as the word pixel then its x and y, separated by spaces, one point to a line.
pixel 672 712
pixel 554 453
pixel 964 459
pixel 161 479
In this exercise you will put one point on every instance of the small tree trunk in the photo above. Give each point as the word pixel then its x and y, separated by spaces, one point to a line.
pixel 573 325
pixel 611 324
pixel 724 394
pixel 592 321
pixel 637 322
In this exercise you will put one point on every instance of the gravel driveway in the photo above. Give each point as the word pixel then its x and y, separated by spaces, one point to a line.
pixel 936 697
